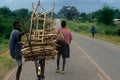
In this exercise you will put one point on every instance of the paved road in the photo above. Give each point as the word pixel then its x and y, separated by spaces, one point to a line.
pixel 105 54
pixel 79 67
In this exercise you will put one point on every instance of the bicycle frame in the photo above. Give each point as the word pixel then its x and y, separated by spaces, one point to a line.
pixel 40 67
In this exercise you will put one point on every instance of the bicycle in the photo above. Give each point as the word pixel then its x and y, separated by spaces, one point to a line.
pixel 40 68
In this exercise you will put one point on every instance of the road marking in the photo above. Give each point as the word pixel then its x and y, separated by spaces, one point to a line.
pixel 102 72
pixel 100 76
pixel 8 76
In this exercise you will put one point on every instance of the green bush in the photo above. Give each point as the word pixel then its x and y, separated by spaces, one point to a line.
pixel 4 45
pixel 118 31
pixel 113 32
pixel 7 35
pixel 109 32
pixel 1 40
pixel 83 27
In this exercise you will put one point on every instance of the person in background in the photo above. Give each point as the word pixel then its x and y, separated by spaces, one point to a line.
pixel 63 48
pixel 93 31
pixel 15 46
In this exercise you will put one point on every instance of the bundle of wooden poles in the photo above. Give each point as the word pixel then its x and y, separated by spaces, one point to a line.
pixel 41 40
pixel 42 45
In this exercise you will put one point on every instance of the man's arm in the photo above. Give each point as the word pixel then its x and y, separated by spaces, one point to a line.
pixel 22 33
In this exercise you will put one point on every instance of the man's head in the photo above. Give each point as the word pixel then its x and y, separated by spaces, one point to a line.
pixel 16 25
pixel 63 23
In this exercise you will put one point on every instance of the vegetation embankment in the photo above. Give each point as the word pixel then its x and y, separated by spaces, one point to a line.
pixel 103 32
pixel 6 63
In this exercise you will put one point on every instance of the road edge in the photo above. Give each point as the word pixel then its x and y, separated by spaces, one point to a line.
pixel 102 73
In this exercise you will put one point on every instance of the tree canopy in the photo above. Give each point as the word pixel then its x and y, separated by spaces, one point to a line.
pixel 68 12
pixel 21 12
pixel 7 17
pixel 106 15
pixel 5 11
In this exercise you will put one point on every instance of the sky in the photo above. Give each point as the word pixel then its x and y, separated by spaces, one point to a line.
pixel 86 6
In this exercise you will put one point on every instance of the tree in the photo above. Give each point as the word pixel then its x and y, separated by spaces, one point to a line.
pixel 117 13
pixel 68 12
pixel 5 11
pixel 83 16
pixel 106 15
pixel 21 12
pixel 92 16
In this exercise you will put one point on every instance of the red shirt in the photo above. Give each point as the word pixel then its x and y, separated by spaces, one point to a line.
pixel 66 33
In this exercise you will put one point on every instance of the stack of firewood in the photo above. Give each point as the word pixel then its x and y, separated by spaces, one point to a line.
pixel 41 44
pixel 41 40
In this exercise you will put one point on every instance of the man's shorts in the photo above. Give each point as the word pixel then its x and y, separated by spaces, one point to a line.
pixel 64 50
pixel 19 61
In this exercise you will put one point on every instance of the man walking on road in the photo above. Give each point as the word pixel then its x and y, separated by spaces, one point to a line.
pixel 93 31
pixel 63 48
pixel 15 46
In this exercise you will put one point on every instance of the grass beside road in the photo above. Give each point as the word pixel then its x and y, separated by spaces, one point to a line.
pixel 84 29
pixel 108 38
pixel 6 62
pixel 4 46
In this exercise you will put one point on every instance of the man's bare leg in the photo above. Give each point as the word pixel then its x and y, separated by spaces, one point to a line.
pixel 18 72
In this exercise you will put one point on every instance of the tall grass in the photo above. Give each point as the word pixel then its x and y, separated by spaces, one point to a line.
pixel 79 26
pixel 108 33
pixel 4 45
pixel 6 62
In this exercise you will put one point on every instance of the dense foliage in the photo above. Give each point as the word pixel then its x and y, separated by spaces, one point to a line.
pixel 106 15
pixel 69 12
pixel 7 17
